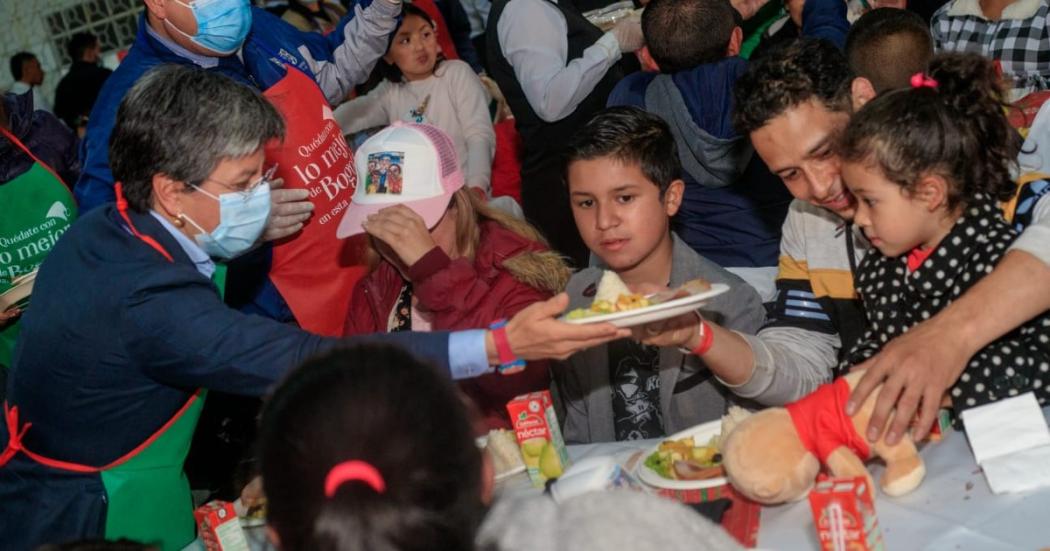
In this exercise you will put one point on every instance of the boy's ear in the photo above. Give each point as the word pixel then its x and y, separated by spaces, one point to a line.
pixel 673 197
pixel 736 39
pixel 932 190
pixel 649 64
pixel 861 91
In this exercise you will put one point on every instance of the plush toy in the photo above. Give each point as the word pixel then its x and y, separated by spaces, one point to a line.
pixel 776 454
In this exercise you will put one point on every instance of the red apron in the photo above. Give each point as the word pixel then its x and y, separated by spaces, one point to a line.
pixel 315 271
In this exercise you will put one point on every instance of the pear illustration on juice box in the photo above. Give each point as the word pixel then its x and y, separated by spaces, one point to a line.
pixel 536 427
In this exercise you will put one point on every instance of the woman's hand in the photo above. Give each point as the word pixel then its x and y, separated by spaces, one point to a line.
pixel 252 494
pixel 9 316
pixel 535 333
pixel 403 231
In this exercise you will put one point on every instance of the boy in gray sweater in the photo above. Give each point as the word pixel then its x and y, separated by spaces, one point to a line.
pixel 624 182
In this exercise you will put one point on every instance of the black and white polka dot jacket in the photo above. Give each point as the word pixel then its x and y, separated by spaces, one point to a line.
pixel 896 300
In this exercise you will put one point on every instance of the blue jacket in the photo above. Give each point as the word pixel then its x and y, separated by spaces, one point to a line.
pixel 733 206
pixel 269 37
pixel 99 370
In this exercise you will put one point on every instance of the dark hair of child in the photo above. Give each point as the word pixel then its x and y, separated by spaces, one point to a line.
pixel 390 71
pixel 953 126
pixel 631 136
pixel 887 46
pixel 789 75
pixel 670 30
pixel 380 405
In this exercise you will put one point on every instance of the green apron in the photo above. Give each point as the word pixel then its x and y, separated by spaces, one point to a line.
pixel 37 209
pixel 148 496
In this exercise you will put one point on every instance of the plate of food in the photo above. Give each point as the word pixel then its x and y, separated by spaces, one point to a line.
pixel 616 304
pixel 688 460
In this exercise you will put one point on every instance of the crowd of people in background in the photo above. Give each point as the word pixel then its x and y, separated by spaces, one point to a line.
pixel 344 206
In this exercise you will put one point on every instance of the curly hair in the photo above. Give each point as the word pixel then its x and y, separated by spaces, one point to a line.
pixel 956 129
pixel 790 75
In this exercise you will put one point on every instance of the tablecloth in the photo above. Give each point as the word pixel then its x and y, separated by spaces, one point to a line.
pixel 953 509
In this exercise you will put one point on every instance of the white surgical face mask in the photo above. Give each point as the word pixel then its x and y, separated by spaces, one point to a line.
pixel 242 219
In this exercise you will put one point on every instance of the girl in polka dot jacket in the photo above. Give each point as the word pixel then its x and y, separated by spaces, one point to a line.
pixel 928 166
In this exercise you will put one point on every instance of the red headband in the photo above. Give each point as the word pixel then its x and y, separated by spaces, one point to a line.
pixel 349 471
pixel 921 80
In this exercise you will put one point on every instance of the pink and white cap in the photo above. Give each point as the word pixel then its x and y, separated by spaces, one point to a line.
pixel 408 164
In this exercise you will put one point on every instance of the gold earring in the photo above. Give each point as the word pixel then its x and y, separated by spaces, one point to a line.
pixel 177 221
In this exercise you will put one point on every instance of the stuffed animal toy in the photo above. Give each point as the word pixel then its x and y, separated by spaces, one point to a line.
pixel 775 455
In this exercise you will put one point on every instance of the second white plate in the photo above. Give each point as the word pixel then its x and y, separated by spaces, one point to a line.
pixel 701 435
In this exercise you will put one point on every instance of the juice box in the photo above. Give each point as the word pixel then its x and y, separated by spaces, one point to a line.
pixel 536 427
pixel 219 528
pixel 844 515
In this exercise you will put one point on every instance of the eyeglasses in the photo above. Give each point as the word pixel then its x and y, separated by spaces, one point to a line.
pixel 246 192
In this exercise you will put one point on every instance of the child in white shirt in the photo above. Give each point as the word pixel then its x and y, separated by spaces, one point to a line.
pixel 422 87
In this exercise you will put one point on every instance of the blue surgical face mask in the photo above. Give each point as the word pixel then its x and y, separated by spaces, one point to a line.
pixel 222 25
pixel 242 219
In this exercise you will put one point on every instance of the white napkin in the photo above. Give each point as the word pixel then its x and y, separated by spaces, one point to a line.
pixel 1011 442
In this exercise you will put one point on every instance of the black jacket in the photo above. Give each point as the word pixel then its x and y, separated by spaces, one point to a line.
pixel 77 91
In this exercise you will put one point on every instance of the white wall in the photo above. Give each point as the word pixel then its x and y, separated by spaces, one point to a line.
pixel 24 27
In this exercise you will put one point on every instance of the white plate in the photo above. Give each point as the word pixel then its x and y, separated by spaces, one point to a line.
pixel 701 435
pixel 656 312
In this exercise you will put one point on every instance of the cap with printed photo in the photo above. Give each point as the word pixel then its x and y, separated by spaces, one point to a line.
pixel 404 164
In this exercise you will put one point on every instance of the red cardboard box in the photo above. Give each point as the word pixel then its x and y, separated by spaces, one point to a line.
pixel 536 427
pixel 219 528
pixel 844 515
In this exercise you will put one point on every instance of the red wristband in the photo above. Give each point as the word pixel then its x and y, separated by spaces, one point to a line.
pixel 508 362
pixel 707 338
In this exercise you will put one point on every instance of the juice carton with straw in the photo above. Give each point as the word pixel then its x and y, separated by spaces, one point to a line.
pixel 536 427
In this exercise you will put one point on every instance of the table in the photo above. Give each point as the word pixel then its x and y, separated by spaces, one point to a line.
pixel 953 509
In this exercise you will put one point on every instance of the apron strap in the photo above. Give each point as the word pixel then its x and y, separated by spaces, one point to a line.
pixel 15 434
pixel 122 207
pixel 14 443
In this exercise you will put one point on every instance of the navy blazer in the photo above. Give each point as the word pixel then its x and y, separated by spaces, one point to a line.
pixel 117 338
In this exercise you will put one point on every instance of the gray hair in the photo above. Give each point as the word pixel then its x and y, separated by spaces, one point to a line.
pixel 181 122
